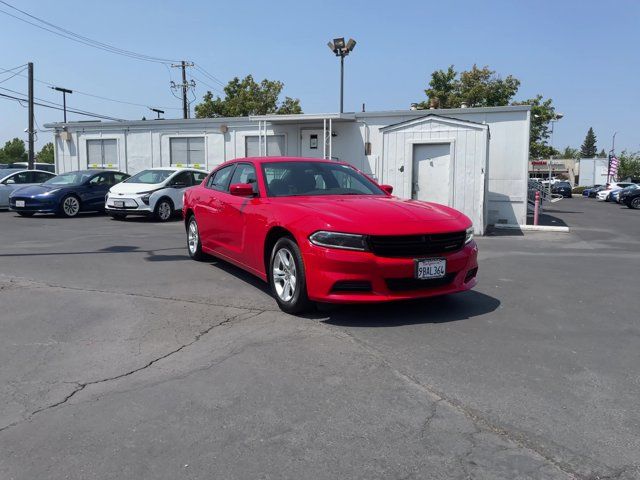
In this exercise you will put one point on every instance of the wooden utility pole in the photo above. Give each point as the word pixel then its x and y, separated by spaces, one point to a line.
pixel 185 105
pixel 31 131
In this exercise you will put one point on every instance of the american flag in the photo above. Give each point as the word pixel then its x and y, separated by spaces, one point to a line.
pixel 613 166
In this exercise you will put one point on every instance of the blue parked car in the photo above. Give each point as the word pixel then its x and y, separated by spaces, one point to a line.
pixel 587 191
pixel 67 194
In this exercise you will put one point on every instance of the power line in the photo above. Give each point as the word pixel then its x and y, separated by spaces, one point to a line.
pixel 208 75
pixel 56 106
pixel 17 73
pixel 69 35
pixel 207 84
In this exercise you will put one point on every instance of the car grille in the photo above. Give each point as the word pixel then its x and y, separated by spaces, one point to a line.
pixel 415 245
pixel 404 284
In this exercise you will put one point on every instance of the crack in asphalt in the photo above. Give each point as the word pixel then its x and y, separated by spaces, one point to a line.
pixel 38 284
pixel 476 417
pixel 82 385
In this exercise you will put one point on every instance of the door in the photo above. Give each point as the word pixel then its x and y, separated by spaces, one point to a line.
pixel 208 209
pixel 432 173
pixel 311 145
pixel 96 191
pixel 177 186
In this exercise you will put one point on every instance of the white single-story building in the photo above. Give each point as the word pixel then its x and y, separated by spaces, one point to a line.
pixel 473 159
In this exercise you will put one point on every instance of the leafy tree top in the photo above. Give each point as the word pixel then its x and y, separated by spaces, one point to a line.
pixel 247 97
pixel 13 151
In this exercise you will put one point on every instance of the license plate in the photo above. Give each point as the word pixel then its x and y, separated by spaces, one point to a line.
pixel 118 204
pixel 19 203
pixel 431 268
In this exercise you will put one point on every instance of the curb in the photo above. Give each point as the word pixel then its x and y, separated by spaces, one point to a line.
pixel 531 228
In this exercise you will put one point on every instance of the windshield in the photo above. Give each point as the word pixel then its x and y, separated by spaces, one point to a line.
pixel 285 179
pixel 71 178
pixel 150 176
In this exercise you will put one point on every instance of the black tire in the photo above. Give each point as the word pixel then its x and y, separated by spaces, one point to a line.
pixel 194 245
pixel 118 216
pixel 66 209
pixel 26 214
pixel 164 210
pixel 297 300
pixel 635 203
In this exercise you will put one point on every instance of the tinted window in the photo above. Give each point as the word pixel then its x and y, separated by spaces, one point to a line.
pixel 102 179
pixel 220 179
pixel 41 177
pixel 183 177
pixel 198 177
pixel 245 173
pixel 316 178
pixel 18 178
pixel 120 177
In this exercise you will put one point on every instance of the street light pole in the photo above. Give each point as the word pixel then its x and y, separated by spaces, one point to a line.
pixel 342 49
pixel 64 99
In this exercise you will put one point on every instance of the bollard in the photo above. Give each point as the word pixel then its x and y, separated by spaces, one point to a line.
pixel 536 208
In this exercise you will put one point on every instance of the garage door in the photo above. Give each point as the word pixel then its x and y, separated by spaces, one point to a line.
pixel 432 173
pixel 102 154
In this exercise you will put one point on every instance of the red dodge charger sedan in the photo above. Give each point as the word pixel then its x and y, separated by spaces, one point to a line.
pixel 322 231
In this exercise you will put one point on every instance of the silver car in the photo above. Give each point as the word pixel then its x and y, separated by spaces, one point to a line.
pixel 13 179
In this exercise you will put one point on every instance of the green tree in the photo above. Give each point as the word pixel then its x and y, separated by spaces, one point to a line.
pixel 588 148
pixel 46 155
pixel 247 97
pixel 13 151
pixel 542 112
pixel 478 87
pixel 570 152
pixel 602 154
pixel 629 166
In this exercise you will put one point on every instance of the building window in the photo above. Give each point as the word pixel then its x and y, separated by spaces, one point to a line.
pixel 102 153
pixel 187 151
pixel 275 146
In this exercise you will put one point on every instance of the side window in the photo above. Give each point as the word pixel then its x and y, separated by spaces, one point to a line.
pixel 22 177
pixel 245 173
pixel 99 180
pixel 182 178
pixel 42 177
pixel 120 177
pixel 198 177
pixel 220 179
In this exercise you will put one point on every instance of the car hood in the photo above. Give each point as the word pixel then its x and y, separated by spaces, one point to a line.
pixel 131 188
pixel 34 190
pixel 375 215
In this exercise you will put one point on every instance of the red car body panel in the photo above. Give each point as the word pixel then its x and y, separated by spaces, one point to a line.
pixel 236 229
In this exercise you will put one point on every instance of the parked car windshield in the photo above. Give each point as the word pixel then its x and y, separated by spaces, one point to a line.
pixel 71 178
pixel 150 176
pixel 285 179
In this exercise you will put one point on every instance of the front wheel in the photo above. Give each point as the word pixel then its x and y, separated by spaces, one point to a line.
pixel 194 245
pixel 287 277
pixel 164 210
pixel 635 203
pixel 70 206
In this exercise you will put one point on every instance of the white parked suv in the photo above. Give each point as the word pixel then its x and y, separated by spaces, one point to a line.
pixel 154 192
pixel 603 195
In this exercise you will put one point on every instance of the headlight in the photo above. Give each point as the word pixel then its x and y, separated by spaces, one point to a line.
pixel 347 241
pixel 469 235
pixel 145 198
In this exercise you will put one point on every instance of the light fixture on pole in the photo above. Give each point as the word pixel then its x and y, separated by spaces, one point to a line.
pixel 342 49
pixel 157 111
pixel 64 99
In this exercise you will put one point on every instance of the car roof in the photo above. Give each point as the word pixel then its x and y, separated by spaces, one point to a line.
pixel 285 159
pixel 5 172
pixel 92 171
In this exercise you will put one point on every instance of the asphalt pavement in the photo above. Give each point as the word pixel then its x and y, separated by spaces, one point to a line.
pixel 122 358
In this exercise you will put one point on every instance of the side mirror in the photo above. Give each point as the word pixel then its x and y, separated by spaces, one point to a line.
pixel 388 189
pixel 241 190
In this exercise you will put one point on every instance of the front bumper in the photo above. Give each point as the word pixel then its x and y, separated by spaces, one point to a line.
pixel 341 276
pixel 130 205
pixel 34 205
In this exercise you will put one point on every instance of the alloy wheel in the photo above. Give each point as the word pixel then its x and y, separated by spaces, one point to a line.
pixel 284 275
pixel 192 237
pixel 164 211
pixel 71 206
pixel 635 203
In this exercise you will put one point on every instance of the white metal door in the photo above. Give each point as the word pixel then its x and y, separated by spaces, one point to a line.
pixel 311 143
pixel 432 173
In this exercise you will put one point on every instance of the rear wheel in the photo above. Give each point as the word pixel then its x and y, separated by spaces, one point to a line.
pixel 194 246
pixel 26 214
pixel 287 277
pixel 70 206
pixel 164 210
pixel 635 203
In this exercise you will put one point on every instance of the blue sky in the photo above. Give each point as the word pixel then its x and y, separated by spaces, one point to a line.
pixel 582 54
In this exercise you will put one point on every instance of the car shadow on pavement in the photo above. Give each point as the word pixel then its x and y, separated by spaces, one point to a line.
pixel 449 308
pixel 240 274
